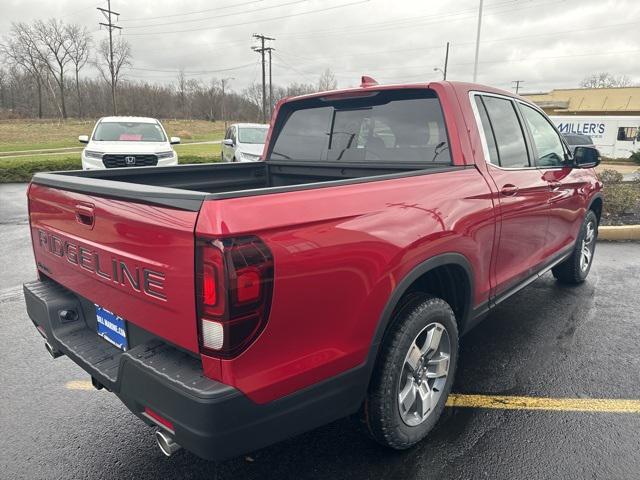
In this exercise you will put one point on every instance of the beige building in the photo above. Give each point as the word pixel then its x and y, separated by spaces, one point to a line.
pixel 589 101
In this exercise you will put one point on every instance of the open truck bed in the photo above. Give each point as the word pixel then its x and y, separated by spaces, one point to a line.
pixel 187 186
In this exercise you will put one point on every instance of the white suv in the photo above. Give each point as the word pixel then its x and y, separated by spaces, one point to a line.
pixel 128 142
pixel 244 142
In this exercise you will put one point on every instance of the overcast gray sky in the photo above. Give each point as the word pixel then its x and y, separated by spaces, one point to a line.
pixel 546 43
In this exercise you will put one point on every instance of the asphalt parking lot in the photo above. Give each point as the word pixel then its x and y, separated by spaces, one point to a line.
pixel 547 342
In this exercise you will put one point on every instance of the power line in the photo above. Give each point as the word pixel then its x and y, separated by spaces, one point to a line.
pixel 217 9
pixel 78 12
pixel 457 44
pixel 320 10
pixel 522 59
pixel 195 72
pixel 350 28
pixel 620 52
pixel 286 4
pixel 393 24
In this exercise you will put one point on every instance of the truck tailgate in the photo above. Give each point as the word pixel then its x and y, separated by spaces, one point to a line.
pixel 133 259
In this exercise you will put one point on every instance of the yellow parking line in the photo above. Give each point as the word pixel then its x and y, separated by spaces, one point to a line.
pixel 79 385
pixel 504 402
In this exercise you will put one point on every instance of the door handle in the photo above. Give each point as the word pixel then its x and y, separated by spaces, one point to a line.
pixel 85 215
pixel 509 190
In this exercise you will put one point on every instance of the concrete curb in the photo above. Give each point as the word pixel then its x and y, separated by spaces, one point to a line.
pixel 617 233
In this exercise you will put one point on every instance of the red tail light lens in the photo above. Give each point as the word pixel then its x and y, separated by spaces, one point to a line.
pixel 210 294
pixel 234 288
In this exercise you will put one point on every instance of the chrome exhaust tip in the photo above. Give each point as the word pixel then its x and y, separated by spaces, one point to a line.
pixel 52 351
pixel 166 443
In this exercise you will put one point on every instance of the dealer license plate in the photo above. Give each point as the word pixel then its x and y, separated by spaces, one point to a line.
pixel 112 328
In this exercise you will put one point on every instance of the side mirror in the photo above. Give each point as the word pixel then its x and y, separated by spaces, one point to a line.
pixel 83 138
pixel 174 140
pixel 586 157
pixel 228 142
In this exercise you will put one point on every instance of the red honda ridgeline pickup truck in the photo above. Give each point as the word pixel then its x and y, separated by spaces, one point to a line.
pixel 234 305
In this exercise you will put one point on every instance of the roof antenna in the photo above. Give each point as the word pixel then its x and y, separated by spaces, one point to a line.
pixel 368 82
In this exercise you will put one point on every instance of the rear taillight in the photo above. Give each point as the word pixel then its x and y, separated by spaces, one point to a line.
pixel 234 280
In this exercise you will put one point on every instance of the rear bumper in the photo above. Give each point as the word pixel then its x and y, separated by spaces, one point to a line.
pixel 211 419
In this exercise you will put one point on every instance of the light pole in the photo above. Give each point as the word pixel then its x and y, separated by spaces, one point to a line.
pixel 475 62
pixel 446 64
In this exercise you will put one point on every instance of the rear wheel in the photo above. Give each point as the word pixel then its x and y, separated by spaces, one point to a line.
pixel 414 374
pixel 574 270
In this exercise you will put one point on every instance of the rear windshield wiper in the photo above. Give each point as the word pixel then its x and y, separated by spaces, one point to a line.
pixel 273 152
pixel 441 147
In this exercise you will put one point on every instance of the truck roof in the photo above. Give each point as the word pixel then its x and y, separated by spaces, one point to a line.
pixel 372 85
pixel 129 119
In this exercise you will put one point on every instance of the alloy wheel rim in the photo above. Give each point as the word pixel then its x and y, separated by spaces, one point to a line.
pixel 424 374
pixel 588 242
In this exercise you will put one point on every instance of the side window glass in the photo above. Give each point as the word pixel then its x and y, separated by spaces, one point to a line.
pixel 233 134
pixel 488 132
pixel 227 134
pixel 628 134
pixel 545 138
pixel 509 137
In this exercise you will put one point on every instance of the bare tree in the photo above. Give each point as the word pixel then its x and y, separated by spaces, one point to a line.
pixel 253 93
pixel 212 94
pixel 53 48
pixel 21 50
pixel 327 81
pixel 79 47
pixel 3 88
pixel 108 69
pixel 605 80
pixel 181 89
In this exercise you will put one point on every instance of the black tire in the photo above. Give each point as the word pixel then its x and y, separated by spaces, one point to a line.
pixel 382 414
pixel 572 270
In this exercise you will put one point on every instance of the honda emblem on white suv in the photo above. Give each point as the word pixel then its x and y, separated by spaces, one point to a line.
pixel 130 160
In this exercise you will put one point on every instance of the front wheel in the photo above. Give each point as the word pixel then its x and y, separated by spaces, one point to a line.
pixel 414 373
pixel 574 270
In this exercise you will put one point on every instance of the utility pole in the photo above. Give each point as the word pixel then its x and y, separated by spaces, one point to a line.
pixel 517 84
pixel 270 49
pixel 223 82
pixel 261 49
pixel 446 62
pixel 111 27
pixel 475 62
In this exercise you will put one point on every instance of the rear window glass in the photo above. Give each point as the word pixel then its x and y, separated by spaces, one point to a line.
pixel 253 135
pixel 387 126
pixel 507 131
pixel 128 132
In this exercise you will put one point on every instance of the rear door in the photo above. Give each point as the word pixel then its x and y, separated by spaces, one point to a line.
pixel 522 192
pixel 134 260
pixel 567 193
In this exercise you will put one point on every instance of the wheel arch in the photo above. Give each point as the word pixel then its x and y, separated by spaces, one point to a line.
pixel 595 204
pixel 449 262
